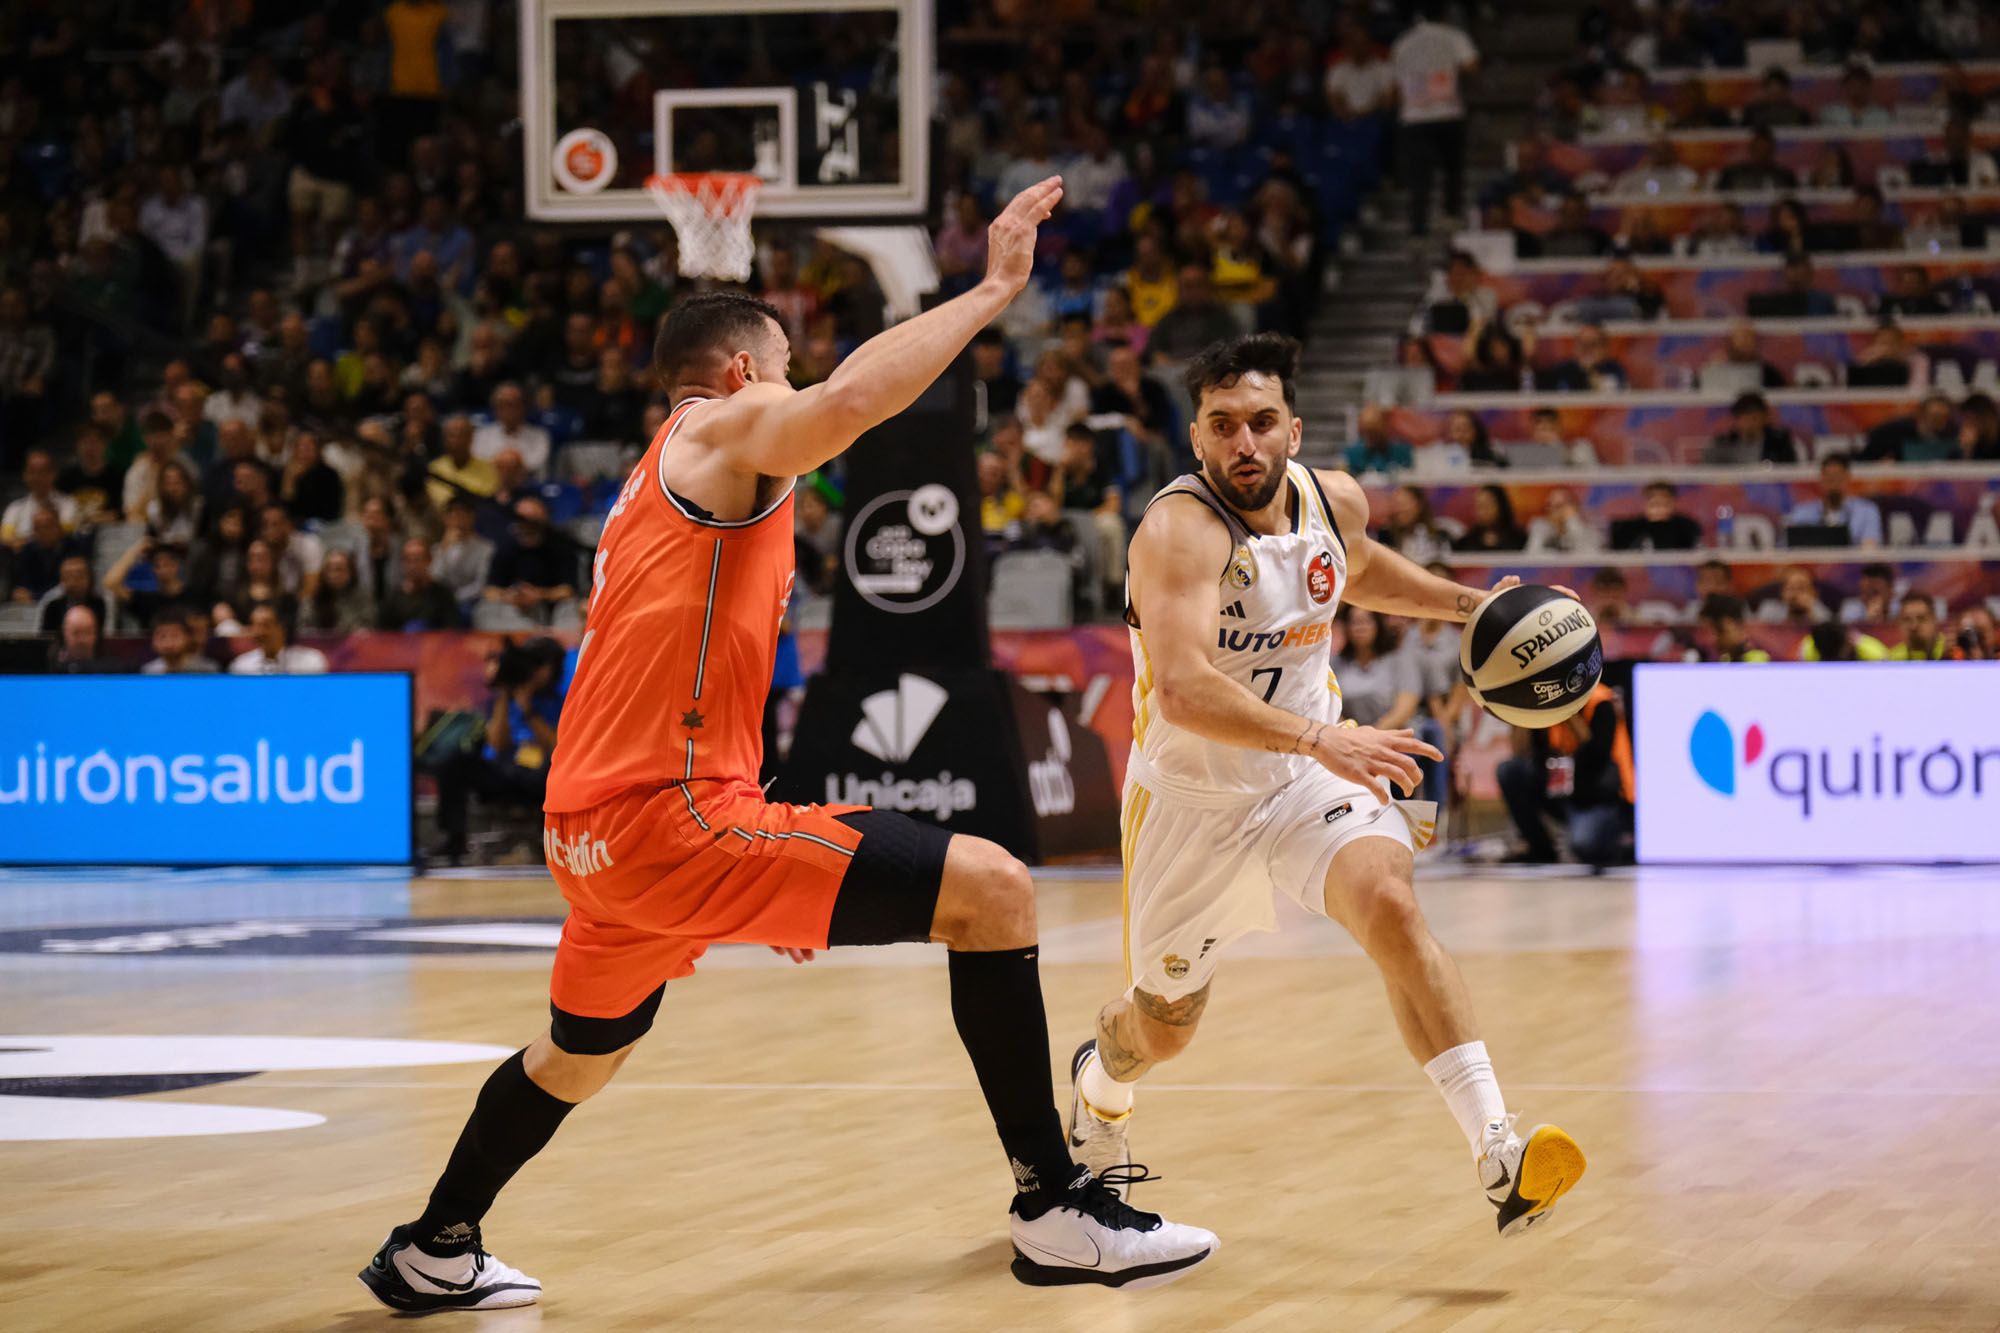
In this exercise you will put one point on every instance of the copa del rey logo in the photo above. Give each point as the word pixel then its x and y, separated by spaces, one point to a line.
pixel 893 724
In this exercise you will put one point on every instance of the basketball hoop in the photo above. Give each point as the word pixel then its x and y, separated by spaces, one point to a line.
pixel 710 212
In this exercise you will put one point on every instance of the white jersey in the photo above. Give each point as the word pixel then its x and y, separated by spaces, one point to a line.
pixel 1273 636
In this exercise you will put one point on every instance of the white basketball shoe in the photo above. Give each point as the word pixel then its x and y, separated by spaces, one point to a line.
pixel 404 1278
pixel 1090 1235
pixel 1524 1176
pixel 1095 1139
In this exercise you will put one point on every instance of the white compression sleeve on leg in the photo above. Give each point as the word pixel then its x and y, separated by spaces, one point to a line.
pixel 1465 1076
pixel 1103 1094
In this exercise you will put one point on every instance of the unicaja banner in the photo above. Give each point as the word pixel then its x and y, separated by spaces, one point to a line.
pixel 1818 762
pixel 199 770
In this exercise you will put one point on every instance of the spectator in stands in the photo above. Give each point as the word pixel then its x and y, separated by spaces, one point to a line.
pixel 1412 529
pixel 1495 365
pixel 511 429
pixel 38 472
pixel 1466 305
pixel 234 399
pixel 1493 525
pixel 1797 603
pixel 162 447
pixel 340 604
pixel 1795 297
pixel 256 99
pixel 617 401
pixel 1467 444
pixel 520 736
pixel 256 580
pixel 1832 169
pixel 1977 639
pixel 80 649
pixel 91 479
pixel 1691 109
pixel 36 565
pixel 174 512
pixel 816 533
pixel 1724 617
pixel 531 572
pixel 1430 60
pixel 1087 488
pixel 1740 347
pixel 27 359
pixel 1218 116
pixel 234 444
pixel 1575 236
pixel 1045 421
pixel 296 556
pixel 311 491
pixel 1545 430
pixel 1380 685
pixel 1913 294
pixel 1644 238
pixel 1580 771
pixel 1001 503
pixel 1711 577
pixel 1142 403
pixel 163 584
pixel 1752 436
pixel 1659 526
pixel 1377 450
pixel 1857 107
pixel 1360 82
pixel 1624 295
pixel 1093 175
pixel 1195 321
pixel 463 558
pixel 273 653
pixel 458 471
pixel 1978 430
pixel 73 589
pixel 1921 640
pixel 1874 597
pixel 1789 232
pixel 175 649
pixel 1031 162
pixel 1723 233
pixel 1871 228
pixel 1608 597
pixel 1838 506
pixel 1759 169
pixel 418 601
pixel 1590 368
pixel 1662 172
pixel 1831 641
pixel 1958 162
pixel 1151 282
pixel 1888 361
pixel 1115 323
pixel 1774 107
pixel 1562 527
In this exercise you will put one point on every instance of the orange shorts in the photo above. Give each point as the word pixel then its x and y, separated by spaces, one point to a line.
pixel 655 876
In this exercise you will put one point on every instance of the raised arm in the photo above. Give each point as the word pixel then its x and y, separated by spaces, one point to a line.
pixel 1176 562
pixel 771 430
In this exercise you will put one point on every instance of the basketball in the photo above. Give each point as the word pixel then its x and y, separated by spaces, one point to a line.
pixel 1531 656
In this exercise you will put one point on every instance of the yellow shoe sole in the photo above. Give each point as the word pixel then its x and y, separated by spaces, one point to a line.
pixel 1551 1165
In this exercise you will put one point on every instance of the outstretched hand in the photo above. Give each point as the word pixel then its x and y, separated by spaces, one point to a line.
pixel 796 955
pixel 1010 239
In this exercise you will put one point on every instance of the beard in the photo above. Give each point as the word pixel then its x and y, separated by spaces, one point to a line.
pixel 1248 501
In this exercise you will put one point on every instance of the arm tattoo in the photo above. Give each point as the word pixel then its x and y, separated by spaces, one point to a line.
pixel 1304 742
pixel 1181 1013
pixel 1466 601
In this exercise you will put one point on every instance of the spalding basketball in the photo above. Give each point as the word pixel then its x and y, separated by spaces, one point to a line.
pixel 1531 656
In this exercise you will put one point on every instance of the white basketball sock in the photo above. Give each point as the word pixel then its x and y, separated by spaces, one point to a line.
pixel 1103 1094
pixel 1465 1076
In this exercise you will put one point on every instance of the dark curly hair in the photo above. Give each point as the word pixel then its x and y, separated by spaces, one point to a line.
pixel 1221 364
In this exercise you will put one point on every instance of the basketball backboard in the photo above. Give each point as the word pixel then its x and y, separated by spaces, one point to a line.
pixel 827 100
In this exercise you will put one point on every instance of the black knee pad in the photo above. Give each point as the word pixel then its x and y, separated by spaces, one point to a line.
pixel 578 1035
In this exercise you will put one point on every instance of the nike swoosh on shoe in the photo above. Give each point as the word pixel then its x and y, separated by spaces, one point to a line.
pixel 1096 1254
pixel 444 1282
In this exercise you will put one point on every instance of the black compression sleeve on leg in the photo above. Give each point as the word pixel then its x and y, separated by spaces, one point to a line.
pixel 511 1122
pixel 996 1003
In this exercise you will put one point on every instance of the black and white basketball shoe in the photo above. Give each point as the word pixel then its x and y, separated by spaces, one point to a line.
pixel 404 1278
pixel 1090 1235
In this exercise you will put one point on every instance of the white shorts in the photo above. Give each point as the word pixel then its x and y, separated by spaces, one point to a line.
pixel 1197 878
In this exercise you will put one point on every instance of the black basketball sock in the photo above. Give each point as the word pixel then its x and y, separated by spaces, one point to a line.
pixel 511 1122
pixel 996 1002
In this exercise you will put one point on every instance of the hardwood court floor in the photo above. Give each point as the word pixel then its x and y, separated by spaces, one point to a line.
pixel 1788 1085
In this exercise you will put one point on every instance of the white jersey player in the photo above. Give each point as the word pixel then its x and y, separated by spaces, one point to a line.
pixel 1244 782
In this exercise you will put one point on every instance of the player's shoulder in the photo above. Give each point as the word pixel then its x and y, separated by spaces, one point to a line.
pixel 1344 497
pixel 1181 519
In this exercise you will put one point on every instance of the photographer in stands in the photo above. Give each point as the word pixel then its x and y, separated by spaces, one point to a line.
pixel 513 763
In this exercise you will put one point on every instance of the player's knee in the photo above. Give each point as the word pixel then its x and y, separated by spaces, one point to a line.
pixel 569 1076
pixel 989 901
pixel 1159 1042
pixel 1387 920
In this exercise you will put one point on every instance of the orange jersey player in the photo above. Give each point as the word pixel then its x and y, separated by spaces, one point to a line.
pixel 657 833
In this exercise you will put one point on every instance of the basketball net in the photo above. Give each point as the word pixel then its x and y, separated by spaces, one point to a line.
pixel 710 212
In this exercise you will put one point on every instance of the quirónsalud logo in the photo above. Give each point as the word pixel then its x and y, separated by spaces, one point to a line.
pixel 1887 768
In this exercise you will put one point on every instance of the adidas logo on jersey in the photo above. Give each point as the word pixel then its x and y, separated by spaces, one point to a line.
pixel 1234 610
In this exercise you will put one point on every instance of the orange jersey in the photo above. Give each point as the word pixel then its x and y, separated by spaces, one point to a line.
pixel 678 645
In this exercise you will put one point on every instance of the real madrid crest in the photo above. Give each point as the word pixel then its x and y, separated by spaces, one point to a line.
pixel 1242 572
